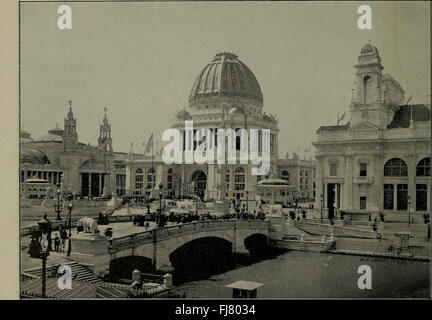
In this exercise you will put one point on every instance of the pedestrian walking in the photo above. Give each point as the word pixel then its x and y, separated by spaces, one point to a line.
pixel 56 243
pixel 63 237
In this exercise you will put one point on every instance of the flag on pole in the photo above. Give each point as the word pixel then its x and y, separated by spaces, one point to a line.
pixel 340 118
pixel 149 145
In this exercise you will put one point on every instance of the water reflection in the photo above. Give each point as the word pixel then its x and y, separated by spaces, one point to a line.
pixel 317 275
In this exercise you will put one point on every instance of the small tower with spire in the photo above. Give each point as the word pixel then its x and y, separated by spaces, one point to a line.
pixel 105 140
pixel 70 135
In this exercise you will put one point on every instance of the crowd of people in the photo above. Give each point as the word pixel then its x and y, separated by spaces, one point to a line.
pixel 172 217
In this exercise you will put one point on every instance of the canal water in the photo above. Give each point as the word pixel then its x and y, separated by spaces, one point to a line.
pixel 319 275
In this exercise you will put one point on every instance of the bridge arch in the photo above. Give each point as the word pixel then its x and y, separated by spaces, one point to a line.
pixel 200 258
pixel 122 267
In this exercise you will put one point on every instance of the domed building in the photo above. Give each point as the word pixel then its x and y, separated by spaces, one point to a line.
pixel 58 157
pixel 225 95
pixel 379 161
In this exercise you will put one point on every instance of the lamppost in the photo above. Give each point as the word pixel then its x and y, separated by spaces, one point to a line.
pixel 160 202
pixel 40 247
pixel 237 203
pixel 247 201
pixel 70 207
pixel 57 207
pixel 147 201
pixel 322 200
pixel 160 197
pixel 409 211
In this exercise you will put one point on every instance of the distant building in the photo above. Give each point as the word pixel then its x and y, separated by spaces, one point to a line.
pixel 82 169
pixel 225 95
pixel 300 173
pixel 379 161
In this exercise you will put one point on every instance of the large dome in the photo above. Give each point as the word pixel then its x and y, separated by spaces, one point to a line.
pixel 226 76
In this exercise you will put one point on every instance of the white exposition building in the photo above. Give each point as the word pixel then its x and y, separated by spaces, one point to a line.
pixel 225 95
pixel 380 160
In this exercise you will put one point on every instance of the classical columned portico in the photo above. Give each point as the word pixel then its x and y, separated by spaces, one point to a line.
pixel 51 176
pixel 91 183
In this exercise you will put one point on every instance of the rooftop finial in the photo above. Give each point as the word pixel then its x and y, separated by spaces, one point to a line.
pixel 105 109
pixel 70 104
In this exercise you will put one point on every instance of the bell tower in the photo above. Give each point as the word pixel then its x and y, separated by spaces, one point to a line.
pixel 70 136
pixel 105 140
pixel 368 76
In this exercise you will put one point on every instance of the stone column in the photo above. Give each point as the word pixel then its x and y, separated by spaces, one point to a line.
pixel 395 196
pixel 183 181
pixel 90 185
pixel 411 181
pixel 100 183
pixel 128 181
pixel 428 197
pixel 349 180
pixel 212 182
pixel 324 190
pixel 80 182
pixel 378 183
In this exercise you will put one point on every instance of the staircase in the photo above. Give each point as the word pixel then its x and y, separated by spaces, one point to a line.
pixel 79 272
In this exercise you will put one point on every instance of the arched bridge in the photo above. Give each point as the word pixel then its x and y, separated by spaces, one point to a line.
pixel 157 244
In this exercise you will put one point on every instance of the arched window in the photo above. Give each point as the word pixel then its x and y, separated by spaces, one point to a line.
pixel 170 179
pixel 139 178
pixel 239 178
pixel 367 86
pixel 285 175
pixel 227 179
pixel 423 168
pixel 151 179
pixel 395 168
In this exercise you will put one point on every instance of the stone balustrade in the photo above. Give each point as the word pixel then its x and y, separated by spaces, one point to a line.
pixel 124 242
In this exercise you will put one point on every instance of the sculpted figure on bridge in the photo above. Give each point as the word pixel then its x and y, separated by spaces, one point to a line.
pixel 88 225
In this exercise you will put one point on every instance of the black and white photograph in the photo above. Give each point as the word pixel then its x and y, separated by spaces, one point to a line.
pixel 224 150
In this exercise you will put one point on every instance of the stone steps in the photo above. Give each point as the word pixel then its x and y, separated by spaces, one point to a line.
pixel 79 272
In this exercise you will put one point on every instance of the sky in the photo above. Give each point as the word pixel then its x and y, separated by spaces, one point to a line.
pixel 140 60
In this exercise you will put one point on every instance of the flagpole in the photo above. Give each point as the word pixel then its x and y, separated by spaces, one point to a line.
pixel 152 150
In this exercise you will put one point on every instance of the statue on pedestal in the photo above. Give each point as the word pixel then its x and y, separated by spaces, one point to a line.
pixel 87 225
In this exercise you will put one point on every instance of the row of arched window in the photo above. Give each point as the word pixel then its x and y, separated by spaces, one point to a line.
pixel 398 168
pixel 239 178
